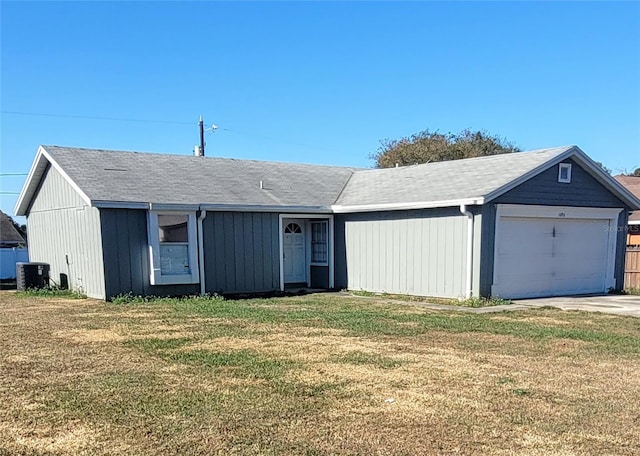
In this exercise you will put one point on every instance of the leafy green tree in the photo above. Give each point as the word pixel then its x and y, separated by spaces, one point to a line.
pixel 428 146
pixel 636 172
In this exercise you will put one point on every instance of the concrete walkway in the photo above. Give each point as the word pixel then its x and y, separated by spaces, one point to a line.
pixel 612 304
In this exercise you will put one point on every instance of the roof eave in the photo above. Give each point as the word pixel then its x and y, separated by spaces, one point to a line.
pixel 266 208
pixel 210 207
pixel 38 166
pixel 340 209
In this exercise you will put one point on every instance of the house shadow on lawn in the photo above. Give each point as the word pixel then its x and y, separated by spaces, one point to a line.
pixel 288 291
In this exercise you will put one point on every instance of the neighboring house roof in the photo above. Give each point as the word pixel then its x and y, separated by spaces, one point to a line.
pixel 8 233
pixel 632 183
pixel 132 179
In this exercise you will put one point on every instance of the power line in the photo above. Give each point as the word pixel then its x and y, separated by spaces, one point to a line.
pixel 14 174
pixel 176 122
pixel 73 116
pixel 9 193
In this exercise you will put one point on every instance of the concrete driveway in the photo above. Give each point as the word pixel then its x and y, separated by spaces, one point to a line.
pixel 613 304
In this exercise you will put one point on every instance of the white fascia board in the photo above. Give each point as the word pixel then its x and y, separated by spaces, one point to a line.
pixel 263 208
pixel 211 207
pixel 339 209
pixel 37 167
pixel 298 215
pixel 634 222
pixel 173 207
pixel 119 205
pixel 36 172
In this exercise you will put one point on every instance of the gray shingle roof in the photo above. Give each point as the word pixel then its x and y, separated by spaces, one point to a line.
pixel 185 179
pixel 8 232
pixel 131 178
pixel 471 178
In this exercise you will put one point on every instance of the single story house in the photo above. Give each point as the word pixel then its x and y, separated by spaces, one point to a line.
pixel 632 183
pixel 540 223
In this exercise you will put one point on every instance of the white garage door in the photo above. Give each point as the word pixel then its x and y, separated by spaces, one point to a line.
pixel 570 251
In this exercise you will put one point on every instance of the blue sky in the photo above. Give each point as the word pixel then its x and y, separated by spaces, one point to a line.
pixel 316 82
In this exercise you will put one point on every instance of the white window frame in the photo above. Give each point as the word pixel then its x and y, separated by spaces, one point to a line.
pixel 562 167
pixel 326 228
pixel 156 276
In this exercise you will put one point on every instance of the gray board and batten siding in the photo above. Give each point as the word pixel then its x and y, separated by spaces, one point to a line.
pixel 417 252
pixel 64 231
pixel 126 256
pixel 544 189
pixel 240 254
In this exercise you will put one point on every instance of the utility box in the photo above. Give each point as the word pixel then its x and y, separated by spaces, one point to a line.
pixel 32 275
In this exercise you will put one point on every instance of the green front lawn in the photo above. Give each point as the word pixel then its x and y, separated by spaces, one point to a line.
pixel 312 375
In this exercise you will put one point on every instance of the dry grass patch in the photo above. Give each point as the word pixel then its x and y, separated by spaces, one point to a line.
pixel 89 335
pixel 312 375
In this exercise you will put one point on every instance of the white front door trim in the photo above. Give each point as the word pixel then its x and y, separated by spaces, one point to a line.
pixel 328 217
pixel 610 215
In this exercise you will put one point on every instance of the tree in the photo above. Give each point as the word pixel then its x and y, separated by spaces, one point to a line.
pixel 604 168
pixel 428 146
pixel 636 172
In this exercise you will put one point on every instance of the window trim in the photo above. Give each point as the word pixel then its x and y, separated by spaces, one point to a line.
pixel 326 225
pixel 156 277
pixel 562 167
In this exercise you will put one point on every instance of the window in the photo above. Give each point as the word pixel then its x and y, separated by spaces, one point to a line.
pixel 172 246
pixel 319 244
pixel 293 228
pixel 564 173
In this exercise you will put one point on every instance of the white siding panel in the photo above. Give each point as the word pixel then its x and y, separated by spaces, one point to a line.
pixel 64 232
pixel 406 253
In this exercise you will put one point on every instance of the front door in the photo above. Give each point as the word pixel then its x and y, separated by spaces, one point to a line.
pixel 294 253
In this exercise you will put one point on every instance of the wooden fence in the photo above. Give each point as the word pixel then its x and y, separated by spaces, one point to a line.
pixel 632 268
